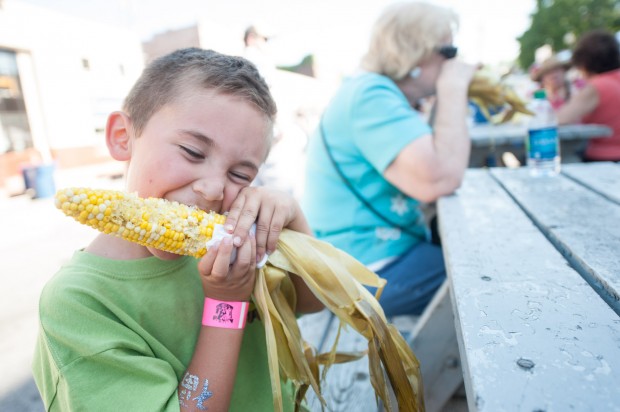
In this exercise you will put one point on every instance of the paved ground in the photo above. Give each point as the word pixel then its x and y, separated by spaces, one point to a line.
pixel 36 239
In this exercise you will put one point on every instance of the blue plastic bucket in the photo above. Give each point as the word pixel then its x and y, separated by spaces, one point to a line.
pixel 40 179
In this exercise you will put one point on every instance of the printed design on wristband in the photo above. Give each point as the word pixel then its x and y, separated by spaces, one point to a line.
pixel 223 313
pixel 230 315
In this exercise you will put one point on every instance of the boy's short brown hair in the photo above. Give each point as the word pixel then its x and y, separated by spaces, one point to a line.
pixel 167 77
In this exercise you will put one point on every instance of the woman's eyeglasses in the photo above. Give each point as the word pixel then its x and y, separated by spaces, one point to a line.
pixel 448 52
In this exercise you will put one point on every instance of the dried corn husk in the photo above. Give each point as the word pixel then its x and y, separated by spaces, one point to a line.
pixel 487 94
pixel 336 279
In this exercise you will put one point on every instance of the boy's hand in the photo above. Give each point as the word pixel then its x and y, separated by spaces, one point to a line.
pixel 272 211
pixel 223 281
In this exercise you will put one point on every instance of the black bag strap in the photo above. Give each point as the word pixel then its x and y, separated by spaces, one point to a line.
pixel 358 195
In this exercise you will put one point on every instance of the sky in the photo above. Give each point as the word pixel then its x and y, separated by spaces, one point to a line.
pixel 337 30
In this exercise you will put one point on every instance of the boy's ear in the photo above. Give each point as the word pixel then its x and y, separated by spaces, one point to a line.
pixel 118 133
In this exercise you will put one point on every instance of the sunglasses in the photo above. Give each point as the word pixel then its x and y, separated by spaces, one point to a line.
pixel 448 52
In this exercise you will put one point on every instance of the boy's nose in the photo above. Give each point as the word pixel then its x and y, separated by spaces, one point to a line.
pixel 210 189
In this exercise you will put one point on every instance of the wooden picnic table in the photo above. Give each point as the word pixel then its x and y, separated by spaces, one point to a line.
pixel 534 280
pixel 490 141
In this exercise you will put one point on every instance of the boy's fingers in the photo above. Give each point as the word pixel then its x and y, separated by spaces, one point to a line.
pixel 244 269
pixel 240 207
pixel 222 261
pixel 253 245
pixel 263 225
pixel 205 265
pixel 248 216
pixel 246 255
pixel 241 217
pixel 234 212
pixel 275 230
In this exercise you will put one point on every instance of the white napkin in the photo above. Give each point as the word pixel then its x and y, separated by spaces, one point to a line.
pixel 220 233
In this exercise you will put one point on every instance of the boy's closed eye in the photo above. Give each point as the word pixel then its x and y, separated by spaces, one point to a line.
pixel 242 177
pixel 194 154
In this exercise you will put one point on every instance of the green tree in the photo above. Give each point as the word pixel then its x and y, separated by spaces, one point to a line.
pixel 554 22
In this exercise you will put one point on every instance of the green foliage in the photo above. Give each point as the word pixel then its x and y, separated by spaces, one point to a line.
pixel 306 66
pixel 552 20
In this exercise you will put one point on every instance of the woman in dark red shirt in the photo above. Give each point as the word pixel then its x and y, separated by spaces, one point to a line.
pixel 597 57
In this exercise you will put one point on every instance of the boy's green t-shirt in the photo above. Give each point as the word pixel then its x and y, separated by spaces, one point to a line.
pixel 118 335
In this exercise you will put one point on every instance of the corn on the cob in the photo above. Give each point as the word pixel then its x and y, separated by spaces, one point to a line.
pixel 165 225
pixel 486 94
pixel 333 276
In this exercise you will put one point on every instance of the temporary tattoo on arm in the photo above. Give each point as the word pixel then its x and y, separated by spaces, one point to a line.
pixel 189 384
pixel 204 395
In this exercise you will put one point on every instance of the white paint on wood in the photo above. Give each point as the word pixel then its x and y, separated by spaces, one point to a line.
pixel 433 341
pixel 532 333
pixel 582 224
pixel 602 177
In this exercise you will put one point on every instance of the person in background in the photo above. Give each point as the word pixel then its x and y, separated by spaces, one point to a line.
pixel 597 57
pixel 374 159
pixel 552 76
pixel 256 50
pixel 283 168
pixel 121 325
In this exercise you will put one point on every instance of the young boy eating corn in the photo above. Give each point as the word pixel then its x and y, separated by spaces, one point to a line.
pixel 130 327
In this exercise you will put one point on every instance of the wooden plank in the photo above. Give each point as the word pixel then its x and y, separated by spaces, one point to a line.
pixel 532 334
pixel 602 177
pixel 433 341
pixel 581 224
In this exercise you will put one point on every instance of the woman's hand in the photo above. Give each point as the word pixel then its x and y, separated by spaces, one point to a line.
pixel 223 281
pixel 271 210
pixel 433 165
pixel 456 73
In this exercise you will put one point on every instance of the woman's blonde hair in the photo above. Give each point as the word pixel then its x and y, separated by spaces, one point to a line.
pixel 404 35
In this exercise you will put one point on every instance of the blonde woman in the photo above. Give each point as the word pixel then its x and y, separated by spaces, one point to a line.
pixel 374 158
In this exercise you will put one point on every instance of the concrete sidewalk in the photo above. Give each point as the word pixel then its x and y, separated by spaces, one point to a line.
pixel 36 240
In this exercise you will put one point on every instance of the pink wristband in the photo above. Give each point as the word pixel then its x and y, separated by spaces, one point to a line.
pixel 220 314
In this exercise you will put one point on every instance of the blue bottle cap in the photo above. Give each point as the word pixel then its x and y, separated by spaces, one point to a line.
pixel 540 94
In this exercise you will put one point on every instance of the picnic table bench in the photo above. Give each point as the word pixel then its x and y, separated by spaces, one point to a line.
pixel 534 278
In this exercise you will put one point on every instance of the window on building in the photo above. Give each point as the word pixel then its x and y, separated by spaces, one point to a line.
pixel 14 126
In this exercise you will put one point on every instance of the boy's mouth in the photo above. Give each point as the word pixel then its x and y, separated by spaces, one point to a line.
pixel 207 207
pixel 203 206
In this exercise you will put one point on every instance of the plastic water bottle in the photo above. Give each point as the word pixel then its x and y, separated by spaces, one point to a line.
pixel 542 144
